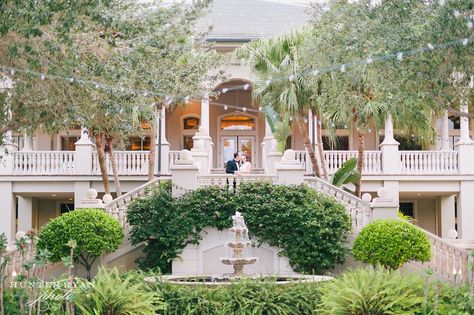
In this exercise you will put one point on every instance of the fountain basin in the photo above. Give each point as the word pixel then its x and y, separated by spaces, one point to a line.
pixel 239 261
pixel 215 280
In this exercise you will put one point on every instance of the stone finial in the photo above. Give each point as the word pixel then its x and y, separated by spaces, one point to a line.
pixel 107 198
pixel 289 155
pixel 186 155
pixel 91 193
pixel 367 197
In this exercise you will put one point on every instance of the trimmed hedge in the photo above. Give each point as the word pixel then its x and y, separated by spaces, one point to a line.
pixel 310 228
pixel 391 243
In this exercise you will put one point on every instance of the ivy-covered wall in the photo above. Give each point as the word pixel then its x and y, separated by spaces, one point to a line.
pixel 310 228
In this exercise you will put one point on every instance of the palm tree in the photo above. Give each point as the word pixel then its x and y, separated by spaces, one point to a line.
pixel 281 85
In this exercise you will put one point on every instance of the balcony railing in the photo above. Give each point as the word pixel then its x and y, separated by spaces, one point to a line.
pixel 429 162
pixel 43 163
pixel 128 162
pixel 137 162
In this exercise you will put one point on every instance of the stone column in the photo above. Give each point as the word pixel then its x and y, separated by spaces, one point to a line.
pixel 384 207
pixel 290 171
pixel 202 151
pixel 389 148
pixel 465 209
pixel 7 224
pixel 27 143
pixel 184 174
pixel 165 146
pixel 445 132
pixel 205 113
pixel 267 144
pixel 464 132
pixel 25 213
pixel 313 135
pixel 83 158
pixel 447 215
pixel 7 158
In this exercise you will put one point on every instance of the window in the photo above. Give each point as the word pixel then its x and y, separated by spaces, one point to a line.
pixel 340 143
pixel 237 123
pixel 407 208
pixel 190 123
pixel 406 143
pixel 139 144
pixel 68 143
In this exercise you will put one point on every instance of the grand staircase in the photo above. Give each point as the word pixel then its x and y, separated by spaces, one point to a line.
pixel 449 261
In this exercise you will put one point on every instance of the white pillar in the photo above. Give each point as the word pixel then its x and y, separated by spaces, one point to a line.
pixel 466 210
pixel 165 146
pixel 447 215
pixel 83 158
pixel 25 213
pixel 389 148
pixel 290 171
pixel 464 132
pixel 6 154
pixel 7 223
pixel 27 143
pixel 445 132
pixel 205 112
pixel 80 191
pixel 184 174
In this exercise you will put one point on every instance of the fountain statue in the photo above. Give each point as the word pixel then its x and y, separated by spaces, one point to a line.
pixel 239 242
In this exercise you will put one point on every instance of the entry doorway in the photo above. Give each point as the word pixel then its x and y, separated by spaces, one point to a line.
pixel 231 144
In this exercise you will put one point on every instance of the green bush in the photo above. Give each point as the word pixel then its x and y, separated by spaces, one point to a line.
pixel 239 298
pixel 309 228
pixel 376 291
pixel 110 293
pixel 94 232
pixel 391 243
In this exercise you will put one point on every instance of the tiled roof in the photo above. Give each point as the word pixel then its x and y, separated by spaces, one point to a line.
pixel 237 20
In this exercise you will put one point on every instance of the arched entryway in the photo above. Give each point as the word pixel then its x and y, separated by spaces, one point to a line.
pixel 235 124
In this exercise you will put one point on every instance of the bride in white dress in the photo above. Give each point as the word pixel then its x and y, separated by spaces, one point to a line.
pixel 246 166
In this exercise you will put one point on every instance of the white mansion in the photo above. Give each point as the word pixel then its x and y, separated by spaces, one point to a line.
pixel 47 175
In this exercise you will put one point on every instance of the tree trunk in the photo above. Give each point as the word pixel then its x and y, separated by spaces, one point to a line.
pixel 309 149
pixel 360 162
pixel 118 187
pixel 151 162
pixel 321 150
pixel 100 146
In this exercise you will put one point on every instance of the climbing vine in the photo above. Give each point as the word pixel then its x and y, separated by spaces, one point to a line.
pixel 309 228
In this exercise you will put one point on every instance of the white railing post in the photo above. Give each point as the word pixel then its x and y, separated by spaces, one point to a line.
pixel 83 158
pixel 290 171
pixel 165 146
pixel 7 154
pixel 389 148
pixel 384 207
pixel 184 174
pixel 202 150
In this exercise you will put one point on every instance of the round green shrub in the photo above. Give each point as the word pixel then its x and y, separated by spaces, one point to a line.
pixel 93 231
pixel 391 243
pixel 310 228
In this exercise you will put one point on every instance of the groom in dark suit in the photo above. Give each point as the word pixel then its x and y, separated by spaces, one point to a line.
pixel 232 166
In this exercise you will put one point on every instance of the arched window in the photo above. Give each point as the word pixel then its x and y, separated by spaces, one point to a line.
pixel 237 122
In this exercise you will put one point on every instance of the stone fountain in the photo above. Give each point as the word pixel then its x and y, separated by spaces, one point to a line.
pixel 239 242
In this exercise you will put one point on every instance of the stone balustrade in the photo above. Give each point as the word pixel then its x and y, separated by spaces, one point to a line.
pixel 43 163
pixel 128 162
pixel 137 162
